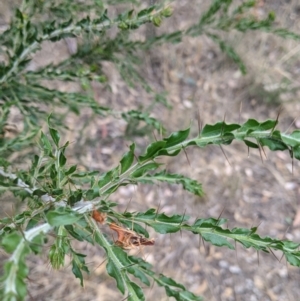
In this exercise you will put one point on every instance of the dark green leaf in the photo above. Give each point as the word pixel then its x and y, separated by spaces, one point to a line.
pixel 293 259
pixel 11 241
pixel 107 177
pixel 187 183
pixel 146 11
pixel 55 136
pixel 136 272
pixel 152 150
pixel 62 216
pixel 293 139
pixel 127 159
pixel 273 143
pixel 138 292
pixel 176 138
pixel 71 170
pixel 62 159
pixel 139 172
pixel 113 271
pixel 251 144
pixel 45 143
pixel 217 240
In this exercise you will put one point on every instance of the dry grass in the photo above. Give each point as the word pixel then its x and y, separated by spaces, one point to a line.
pixel 248 192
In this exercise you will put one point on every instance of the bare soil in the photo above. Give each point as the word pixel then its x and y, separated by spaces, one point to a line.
pixel 248 190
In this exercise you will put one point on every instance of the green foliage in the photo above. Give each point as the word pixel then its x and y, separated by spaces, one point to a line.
pixel 65 209
pixel 60 198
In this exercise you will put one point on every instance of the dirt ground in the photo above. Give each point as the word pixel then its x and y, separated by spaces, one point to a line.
pixel 246 190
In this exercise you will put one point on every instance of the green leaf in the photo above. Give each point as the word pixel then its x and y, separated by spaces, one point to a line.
pixel 113 271
pixel 217 240
pixel 229 50
pixel 182 295
pixel 62 159
pixel 146 11
pixel 152 150
pixel 218 129
pixel 127 159
pixel 176 138
pixel 176 290
pixel 71 170
pixel 139 172
pixel 187 183
pixel 292 259
pixel 170 282
pixel 293 139
pixel 80 231
pixel 55 136
pixel 92 193
pixel 141 116
pixel 136 272
pixel 161 223
pixel 108 177
pixel 251 144
pixel 45 143
pixel 62 216
pixel 11 241
pixel 78 264
pixel 138 292
pixel 273 143
pixel 296 152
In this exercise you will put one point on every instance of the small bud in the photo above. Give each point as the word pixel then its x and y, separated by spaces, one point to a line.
pixel 156 21
pixel 272 16
pixel 167 12
pixel 123 25
pixel 57 257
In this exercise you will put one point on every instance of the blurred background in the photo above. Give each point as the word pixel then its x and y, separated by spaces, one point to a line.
pixel 246 189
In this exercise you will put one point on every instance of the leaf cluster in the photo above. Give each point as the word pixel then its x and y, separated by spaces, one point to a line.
pixel 60 198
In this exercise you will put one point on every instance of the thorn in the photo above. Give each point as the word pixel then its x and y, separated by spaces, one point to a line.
pixel 224 117
pixel 281 257
pixel 182 217
pixel 262 148
pixel 236 255
pixel 187 156
pixel 154 136
pixel 248 152
pixel 257 257
pixel 218 219
pixel 291 124
pixel 259 146
pixel 181 223
pixel 157 210
pixel 136 158
pixel 292 154
pixel 277 118
pixel 240 113
pixel 206 250
pixel 223 123
pixel 171 240
pixel 224 154
pixel 273 254
pixel 152 285
pixel 286 231
pixel 127 205
pixel 99 265
pixel 199 122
